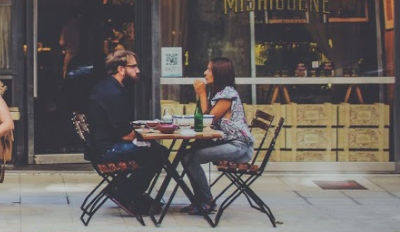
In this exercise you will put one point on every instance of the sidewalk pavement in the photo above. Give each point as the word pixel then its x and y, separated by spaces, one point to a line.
pixel 48 201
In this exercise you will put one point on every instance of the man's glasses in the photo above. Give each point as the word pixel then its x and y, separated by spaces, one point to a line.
pixel 131 65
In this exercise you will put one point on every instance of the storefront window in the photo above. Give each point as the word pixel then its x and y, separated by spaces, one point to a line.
pixel 309 61
pixel 203 31
pixel 324 39
pixel 5 33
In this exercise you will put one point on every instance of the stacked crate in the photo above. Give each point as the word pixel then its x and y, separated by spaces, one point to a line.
pixel 363 134
pixel 189 108
pixel 319 132
pixel 310 133
pixel 276 110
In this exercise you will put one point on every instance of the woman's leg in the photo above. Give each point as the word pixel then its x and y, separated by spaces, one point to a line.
pixel 194 158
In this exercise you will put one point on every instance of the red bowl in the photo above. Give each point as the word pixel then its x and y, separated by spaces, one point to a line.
pixel 166 128
pixel 152 124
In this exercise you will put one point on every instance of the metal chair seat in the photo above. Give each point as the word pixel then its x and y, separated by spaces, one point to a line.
pixel 243 168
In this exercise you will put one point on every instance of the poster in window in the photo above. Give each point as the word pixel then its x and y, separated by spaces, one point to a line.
pixel 171 62
pixel 388 6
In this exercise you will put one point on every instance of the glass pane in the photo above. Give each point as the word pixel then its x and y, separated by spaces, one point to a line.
pixel 5 33
pixel 203 31
pixel 329 39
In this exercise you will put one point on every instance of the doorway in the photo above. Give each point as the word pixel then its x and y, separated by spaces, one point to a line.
pixel 73 37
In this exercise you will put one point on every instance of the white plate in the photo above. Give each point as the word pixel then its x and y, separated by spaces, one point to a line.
pixel 187 132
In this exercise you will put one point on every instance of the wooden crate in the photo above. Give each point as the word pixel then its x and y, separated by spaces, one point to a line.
pixel 167 143
pixel 307 156
pixel 363 156
pixel 310 138
pixel 168 102
pixel 173 108
pixel 364 115
pixel 189 108
pixel 276 110
pixel 363 138
pixel 311 115
pixel 259 133
pixel 275 156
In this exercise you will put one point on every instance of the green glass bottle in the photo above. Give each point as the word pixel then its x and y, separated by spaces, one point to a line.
pixel 198 118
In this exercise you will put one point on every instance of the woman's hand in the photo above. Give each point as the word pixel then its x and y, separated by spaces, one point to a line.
pixel 200 88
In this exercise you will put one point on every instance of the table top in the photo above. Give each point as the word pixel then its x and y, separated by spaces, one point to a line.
pixel 151 135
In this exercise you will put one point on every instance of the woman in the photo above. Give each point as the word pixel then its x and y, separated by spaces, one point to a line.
pixel 237 142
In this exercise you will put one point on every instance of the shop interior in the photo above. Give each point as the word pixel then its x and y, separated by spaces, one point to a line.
pixel 73 38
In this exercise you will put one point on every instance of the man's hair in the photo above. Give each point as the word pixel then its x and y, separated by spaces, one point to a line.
pixel 118 58
pixel 223 72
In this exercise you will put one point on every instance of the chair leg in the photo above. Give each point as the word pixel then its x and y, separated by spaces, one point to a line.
pixel 275 94
pixel 348 92
pixel 243 186
pixel 83 205
pixel 359 95
pixel 93 203
pixel 91 208
pixel 224 190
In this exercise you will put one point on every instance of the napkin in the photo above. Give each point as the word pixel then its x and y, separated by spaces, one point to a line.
pixel 141 143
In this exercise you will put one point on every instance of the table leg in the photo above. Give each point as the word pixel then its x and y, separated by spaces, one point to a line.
pixel 172 173
pixel 170 168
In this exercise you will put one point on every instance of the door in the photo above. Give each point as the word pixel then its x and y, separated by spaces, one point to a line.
pixel 73 38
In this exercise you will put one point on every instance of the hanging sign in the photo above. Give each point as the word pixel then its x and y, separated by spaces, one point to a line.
pixel 236 6
pixel 171 62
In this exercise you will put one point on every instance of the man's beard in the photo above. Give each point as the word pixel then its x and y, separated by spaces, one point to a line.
pixel 128 81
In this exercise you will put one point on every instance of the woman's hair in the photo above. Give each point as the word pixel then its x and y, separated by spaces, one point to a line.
pixel 118 58
pixel 223 72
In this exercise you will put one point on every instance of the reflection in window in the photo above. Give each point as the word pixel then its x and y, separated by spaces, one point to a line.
pixel 5 30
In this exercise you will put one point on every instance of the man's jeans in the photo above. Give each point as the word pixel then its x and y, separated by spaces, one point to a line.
pixel 150 160
pixel 202 153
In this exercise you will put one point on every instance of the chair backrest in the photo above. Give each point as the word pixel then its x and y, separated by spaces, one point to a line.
pixel 263 121
pixel 81 126
pixel 271 144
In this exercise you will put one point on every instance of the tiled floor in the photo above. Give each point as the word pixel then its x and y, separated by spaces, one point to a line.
pixel 48 201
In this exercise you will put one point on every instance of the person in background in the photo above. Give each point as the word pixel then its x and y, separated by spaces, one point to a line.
pixel 70 40
pixel 6 122
pixel 237 142
pixel 112 138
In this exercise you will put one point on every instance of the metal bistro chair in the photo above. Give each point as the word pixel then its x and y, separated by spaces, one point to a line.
pixel 110 173
pixel 242 175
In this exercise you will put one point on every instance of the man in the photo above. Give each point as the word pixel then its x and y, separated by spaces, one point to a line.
pixel 109 116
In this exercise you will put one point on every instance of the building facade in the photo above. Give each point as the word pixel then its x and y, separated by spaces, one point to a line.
pixel 327 66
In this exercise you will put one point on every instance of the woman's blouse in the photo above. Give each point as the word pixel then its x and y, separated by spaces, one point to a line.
pixel 236 127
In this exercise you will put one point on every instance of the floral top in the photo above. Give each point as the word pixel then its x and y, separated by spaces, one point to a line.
pixel 236 127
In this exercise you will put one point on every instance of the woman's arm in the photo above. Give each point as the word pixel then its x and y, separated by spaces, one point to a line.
pixel 6 123
pixel 222 109
pixel 200 89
